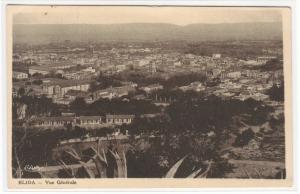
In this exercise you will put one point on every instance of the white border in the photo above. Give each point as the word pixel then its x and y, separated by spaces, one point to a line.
pixel 293 4
pixel 158 2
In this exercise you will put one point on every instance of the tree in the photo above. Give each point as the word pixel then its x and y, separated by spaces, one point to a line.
pixel 102 132
pixel 21 91
pixel 78 106
pixel 37 82
pixel 78 132
pixel 93 86
pixel 39 106
pixel 276 92
pixel 37 75
pixel 107 81
pixel 244 138
pixel 272 65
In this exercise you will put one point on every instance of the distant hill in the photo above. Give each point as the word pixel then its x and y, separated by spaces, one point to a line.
pixel 43 33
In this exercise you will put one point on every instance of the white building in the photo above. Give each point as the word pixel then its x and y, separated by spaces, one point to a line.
pixel 216 55
pixel 19 75
pixel 119 119
pixel 90 70
pixel 39 69
pixel 58 88
pixel 236 74
pixel 151 88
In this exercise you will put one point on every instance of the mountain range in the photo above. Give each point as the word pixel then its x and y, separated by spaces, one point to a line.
pixel 45 33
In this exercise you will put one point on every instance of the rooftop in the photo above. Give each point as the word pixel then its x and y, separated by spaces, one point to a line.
pixel 91 117
pixel 119 116
pixel 64 82
pixel 76 93
pixel 60 118
pixel 40 68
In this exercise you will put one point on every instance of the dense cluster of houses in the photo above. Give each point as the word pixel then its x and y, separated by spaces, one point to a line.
pixel 78 66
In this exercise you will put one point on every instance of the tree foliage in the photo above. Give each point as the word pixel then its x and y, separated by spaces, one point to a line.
pixel 276 92
pixel 38 106
pixel 244 138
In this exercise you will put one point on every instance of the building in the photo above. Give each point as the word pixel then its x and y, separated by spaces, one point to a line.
pixel 17 86
pixel 39 69
pixel 113 92
pixel 89 69
pixel 17 58
pixel 143 62
pixel 52 67
pixel 89 121
pixel 260 96
pixel 57 88
pixel 252 62
pixel 19 75
pixel 252 73
pixel 119 119
pixel 81 121
pixel 152 88
pixel 195 86
pixel 73 94
pixel 65 101
pixel 177 64
pixel 264 59
pixel 236 74
pixel 53 122
pixel 80 75
pixel 60 65
pixel 216 55
pixel 120 68
pixel 212 73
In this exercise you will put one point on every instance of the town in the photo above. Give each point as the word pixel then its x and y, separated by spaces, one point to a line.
pixel 229 95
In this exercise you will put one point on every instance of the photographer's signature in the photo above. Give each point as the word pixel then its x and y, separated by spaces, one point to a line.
pixel 29 167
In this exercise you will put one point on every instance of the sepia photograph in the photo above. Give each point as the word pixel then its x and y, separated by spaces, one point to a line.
pixel 162 93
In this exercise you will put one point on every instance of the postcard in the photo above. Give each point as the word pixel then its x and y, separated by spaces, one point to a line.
pixel 148 97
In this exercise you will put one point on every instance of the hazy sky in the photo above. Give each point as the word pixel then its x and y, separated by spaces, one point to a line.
pixel 141 14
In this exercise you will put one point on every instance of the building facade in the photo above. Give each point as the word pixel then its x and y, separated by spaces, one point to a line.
pixel 81 121
pixel 19 75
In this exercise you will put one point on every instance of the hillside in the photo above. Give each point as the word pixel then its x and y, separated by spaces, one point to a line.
pixel 43 33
